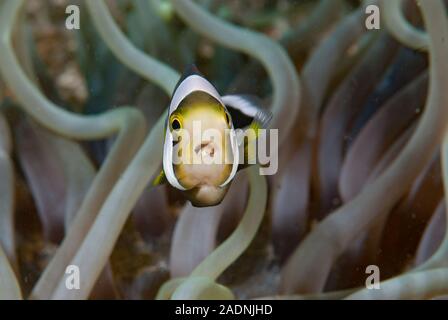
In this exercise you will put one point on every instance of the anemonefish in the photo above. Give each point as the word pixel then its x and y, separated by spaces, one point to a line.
pixel 208 142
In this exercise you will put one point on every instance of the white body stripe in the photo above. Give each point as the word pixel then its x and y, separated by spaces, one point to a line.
pixel 236 156
pixel 168 161
pixel 243 105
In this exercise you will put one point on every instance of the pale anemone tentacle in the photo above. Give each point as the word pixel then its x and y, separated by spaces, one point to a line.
pixel 70 152
pixel 7 237
pixel 101 237
pixel 400 28
pixel 341 107
pixel 416 39
pixel 332 295
pixel 223 256
pixel 167 289
pixel 139 62
pixel 151 70
pixel 323 14
pixel 35 104
pixel 226 253
pixel 202 288
pixel 286 83
pixel 188 247
pixel 197 288
pixel 128 122
pixel 427 280
pixel 78 183
pixel 415 285
pixel 301 38
pixel 9 286
pixel 440 257
pixel 44 173
pixel 331 237
pixel 125 146
pixel 291 195
pixel 120 201
pixel 322 66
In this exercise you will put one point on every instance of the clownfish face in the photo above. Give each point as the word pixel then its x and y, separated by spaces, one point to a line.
pixel 200 151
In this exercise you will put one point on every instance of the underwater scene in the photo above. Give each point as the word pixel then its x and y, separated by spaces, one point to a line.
pixel 223 149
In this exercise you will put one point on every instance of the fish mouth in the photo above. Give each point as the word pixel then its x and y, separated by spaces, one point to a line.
pixel 206 149
pixel 205 195
pixel 202 146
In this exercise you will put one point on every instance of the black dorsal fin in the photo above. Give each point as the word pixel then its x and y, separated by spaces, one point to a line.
pixel 190 70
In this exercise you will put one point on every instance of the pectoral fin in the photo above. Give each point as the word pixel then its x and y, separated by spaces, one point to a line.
pixel 160 179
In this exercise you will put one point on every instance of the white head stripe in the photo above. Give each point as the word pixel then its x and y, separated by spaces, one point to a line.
pixel 168 161
pixel 189 85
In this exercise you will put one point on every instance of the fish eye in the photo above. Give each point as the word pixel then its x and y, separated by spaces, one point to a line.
pixel 175 124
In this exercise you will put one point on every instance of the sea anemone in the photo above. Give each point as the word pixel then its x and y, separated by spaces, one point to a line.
pixel 362 150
